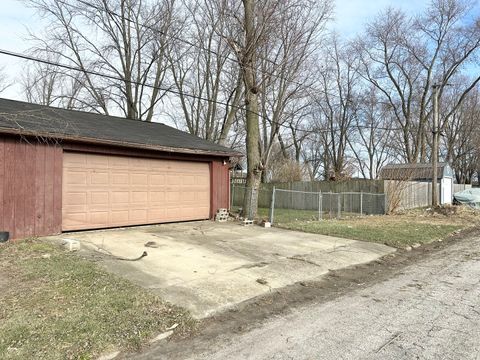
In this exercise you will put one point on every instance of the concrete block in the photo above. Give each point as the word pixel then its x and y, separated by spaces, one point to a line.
pixel 71 245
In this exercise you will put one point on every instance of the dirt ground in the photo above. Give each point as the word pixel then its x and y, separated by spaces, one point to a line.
pixel 445 215
pixel 251 314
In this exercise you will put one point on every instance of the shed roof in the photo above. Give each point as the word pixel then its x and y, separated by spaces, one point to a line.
pixel 419 171
pixel 17 117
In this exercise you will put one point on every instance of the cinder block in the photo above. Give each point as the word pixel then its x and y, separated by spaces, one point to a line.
pixel 71 245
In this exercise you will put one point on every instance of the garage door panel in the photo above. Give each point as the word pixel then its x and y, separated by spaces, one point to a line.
pixel 139 197
pixel 187 196
pixel 99 198
pixel 201 196
pixel 139 215
pixel 118 217
pixel 200 180
pixel 157 180
pixel 74 219
pixel 173 179
pixel 105 191
pixel 118 163
pixel 120 197
pixel 156 213
pixel 157 198
pixel 99 178
pixel 99 218
pixel 139 179
pixel 76 198
pixel 98 162
pixel 119 178
pixel 76 177
pixel 173 196
pixel 77 160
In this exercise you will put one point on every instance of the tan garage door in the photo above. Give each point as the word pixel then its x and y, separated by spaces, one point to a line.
pixel 106 191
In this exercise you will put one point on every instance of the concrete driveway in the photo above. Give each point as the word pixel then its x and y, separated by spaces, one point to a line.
pixel 208 267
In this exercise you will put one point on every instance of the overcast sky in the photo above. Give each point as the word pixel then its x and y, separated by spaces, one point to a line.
pixel 15 17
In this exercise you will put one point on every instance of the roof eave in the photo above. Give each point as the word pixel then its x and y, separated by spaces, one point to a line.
pixel 47 135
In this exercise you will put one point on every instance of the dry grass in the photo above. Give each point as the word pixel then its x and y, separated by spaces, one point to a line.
pixel 399 230
pixel 56 305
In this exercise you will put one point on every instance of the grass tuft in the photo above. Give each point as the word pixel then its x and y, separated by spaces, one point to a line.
pixel 417 226
pixel 393 234
pixel 56 305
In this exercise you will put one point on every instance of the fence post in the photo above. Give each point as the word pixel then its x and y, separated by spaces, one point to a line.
pixel 232 195
pixel 272 205
pixel 320 210
pixel 339 207
pixel 249 217
pixel 330 207
pixel 361 203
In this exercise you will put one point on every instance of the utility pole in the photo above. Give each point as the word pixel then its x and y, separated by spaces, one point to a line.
pixel 435 146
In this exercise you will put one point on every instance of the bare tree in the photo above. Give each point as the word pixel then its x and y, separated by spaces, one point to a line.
pixel 395 187
pixel 336 107
pixel 461 137
pixel 371 141
pixel 313 155
pixel 253 33
pixel 278 39
pixel 404 56
pixel 49 85
pixel 128 40
pixel 204 65
pixel 288 74
pixel 4 83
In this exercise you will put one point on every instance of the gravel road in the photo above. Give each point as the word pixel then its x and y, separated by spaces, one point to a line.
pixel 429 310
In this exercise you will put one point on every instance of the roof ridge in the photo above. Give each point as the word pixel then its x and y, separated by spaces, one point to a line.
pixel 50 107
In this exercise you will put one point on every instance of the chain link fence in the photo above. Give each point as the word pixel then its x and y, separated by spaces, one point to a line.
pixel 237 196
pixel 282 206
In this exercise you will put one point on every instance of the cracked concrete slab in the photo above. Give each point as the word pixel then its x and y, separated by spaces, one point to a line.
pixel 208 267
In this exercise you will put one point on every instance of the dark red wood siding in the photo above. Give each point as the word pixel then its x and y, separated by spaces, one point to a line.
pixel 30 187
pixel 220 186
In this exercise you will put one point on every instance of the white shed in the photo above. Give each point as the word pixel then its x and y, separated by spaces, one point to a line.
pixel 423 173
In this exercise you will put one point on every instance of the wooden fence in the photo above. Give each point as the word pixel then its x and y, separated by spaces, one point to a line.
pixel 354 185
pixel 414 194
pixel 461 187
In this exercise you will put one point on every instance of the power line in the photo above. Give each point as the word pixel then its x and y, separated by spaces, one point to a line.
pixel 180 39
pixel 112 77
pixel 180 93
pixel 236 61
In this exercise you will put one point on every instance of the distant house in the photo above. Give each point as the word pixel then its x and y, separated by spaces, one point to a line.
pixel 66 170
pixel 422 172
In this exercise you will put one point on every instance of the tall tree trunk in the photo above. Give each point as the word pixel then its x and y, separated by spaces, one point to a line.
pixel 254 165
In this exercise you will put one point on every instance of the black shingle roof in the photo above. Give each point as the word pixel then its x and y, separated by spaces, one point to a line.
pixel 418 171
pixel 23 118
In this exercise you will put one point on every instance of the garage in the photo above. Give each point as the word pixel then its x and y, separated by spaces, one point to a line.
pixel 67 170
pixel 101 191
